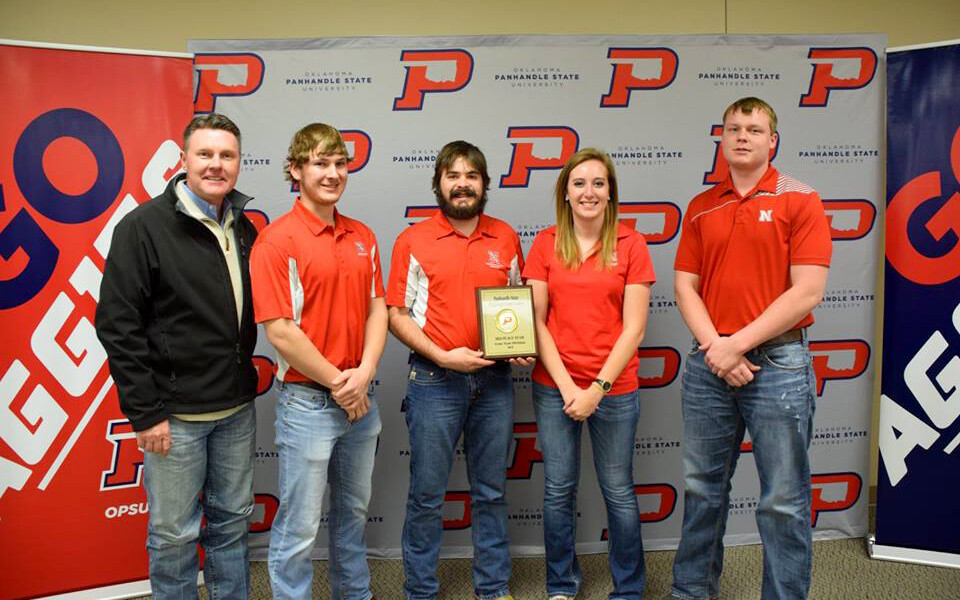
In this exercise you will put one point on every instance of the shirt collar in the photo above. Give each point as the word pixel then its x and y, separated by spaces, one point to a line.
pixel 208 209
pixel 316 225
pixel 624 231
pixel 444 228
pixel 767 183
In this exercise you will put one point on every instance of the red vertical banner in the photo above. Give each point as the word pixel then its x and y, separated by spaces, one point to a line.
pixel 85 137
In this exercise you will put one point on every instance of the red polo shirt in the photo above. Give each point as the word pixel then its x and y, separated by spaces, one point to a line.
pixel 436 269
pixel 585 314
pixel 320 276
pixel 742 247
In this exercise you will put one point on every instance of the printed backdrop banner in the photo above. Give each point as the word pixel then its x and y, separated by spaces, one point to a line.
pixel 655 104
pixel 919 425
pixel 84 137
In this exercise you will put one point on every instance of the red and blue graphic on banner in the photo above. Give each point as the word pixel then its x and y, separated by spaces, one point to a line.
pixel 919 430
pixel 85 136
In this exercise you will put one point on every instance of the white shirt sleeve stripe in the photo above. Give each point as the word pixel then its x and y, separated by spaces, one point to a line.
pixel 373 269
pixel 514 274
pixel 417 292
pixel 698 215
pixel 296 302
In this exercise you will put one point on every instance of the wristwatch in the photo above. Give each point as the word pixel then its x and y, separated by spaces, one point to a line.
pixel 603 385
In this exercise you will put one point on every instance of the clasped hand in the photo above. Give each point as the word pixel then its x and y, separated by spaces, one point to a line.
pixel 727 362
pixel 349 391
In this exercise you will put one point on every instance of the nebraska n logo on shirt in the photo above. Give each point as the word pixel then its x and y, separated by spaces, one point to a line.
pixel 766 215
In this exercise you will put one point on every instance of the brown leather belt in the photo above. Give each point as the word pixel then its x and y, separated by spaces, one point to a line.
pixel 794 335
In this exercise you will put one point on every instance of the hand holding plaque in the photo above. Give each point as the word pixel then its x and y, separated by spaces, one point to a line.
pixel 507 327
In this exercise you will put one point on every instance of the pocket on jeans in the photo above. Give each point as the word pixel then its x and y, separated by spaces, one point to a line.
pixel 423 375
pixel 303 399
pixel 786 356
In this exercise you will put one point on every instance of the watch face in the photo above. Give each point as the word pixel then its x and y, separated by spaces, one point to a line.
pixel 605 385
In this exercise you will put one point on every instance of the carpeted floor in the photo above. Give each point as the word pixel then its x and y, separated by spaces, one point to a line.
pixel 842 571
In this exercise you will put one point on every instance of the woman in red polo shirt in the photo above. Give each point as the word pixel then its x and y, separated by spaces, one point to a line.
pixel 591 279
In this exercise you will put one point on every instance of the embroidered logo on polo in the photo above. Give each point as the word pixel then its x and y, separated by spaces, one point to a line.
pixel 766 216
pixel 493 259
pixel 361 249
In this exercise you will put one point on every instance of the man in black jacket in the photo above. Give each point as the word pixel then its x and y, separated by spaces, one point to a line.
pixel 176 319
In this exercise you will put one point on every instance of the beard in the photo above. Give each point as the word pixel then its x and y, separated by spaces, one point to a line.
pixel 454 211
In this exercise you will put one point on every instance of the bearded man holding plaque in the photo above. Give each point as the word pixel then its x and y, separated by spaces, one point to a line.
pixel 437 266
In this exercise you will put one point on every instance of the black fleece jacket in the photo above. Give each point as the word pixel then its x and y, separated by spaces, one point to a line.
pixel 167 315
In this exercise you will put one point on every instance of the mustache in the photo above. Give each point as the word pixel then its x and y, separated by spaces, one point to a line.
pixel 463 191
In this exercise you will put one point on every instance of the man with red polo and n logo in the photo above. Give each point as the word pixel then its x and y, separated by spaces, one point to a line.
pixel 751 265
pixel 451 390
pixel 318 291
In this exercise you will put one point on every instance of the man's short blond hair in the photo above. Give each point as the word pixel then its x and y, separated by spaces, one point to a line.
pixel 316 139
pixel 748 105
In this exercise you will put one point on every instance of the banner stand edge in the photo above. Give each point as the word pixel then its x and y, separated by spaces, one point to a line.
pixel 105 49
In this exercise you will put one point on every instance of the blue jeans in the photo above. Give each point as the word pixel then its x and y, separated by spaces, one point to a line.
pixel 207 473
pixel 613 429
pixel 316 445
pixel 440 405
pixel 777 408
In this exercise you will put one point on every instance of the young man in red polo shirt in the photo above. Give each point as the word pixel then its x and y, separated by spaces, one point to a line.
pixel 751 265
pixel 437 264
pixel 318 290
